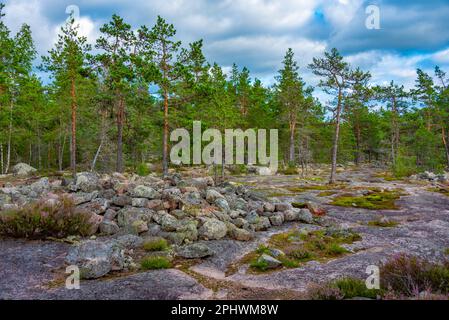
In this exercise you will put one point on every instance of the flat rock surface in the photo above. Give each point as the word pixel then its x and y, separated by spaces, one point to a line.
pixel 28 268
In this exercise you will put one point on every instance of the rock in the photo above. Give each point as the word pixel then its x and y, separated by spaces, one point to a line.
pixel 142 191
pixel 315 209
pixel 129 241
pixel 97 206
pixel 40 186
pixel 222 204
pixel 276 253
pixel 189 229
pixel 252 217
pixel 291 215
pixel 122 201
pixel 271 262
pixel 94 222
pixel 241 234
pixel 212 195
pixel 283 207
pixel 86 182
pixel 82 197
pixel 127 216
pixel 305 216
pixel 5 200
pixel 155 204
pixel 168 222
pixel 263 224
pixel 269 207
pixel 213 229
pixel 195 251
pixel 139 202
pixel 110 214
pixel 261 171
pixel 95 259
pixel 22 169
pixel 277 219
pixel 139 226
pixel 109 227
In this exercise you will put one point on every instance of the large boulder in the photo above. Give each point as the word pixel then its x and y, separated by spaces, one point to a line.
pixel 195 251
pixel 212 195
pixel 213 229
pixel 95 259
pixel 86 182
pixel 22 169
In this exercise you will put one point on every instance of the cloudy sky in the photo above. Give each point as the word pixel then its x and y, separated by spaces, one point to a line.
pixel 256 33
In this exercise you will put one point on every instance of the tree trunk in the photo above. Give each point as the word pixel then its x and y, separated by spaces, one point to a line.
pixel 1 159
pixel 291 157
pixel 336 137
pixel 357 145
pixel 8 152
pixel 73 142
pixel 103 134
pixel 395 133
pixel 446 147
pixel 120 119
pixel 165 137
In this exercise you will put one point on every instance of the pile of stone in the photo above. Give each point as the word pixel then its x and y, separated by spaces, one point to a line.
pixel 432 177
pixel 179 210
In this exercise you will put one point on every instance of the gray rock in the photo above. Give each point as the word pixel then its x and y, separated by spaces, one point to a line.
pixel 168 222
pixel 283 207
pixel 109 227
pixel 40 186
pixel 195 251
pixel 82 197
pixel 240 234
pixel 129 241
pixel 213 229
pixel 277 219
pixel 222 204
pixel 95 259
pixel 110 214
pixel 305 216
pixel 212 195
pixel 142 191
pixel 23 169
pixel 291 215
pixel 263 224
pixel 86 182
pixel 189 229
pixel 122 201
pixel 127 216
pixel 139 202
pixel 271 262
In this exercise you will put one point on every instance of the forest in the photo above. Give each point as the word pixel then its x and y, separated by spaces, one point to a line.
pixel 111 106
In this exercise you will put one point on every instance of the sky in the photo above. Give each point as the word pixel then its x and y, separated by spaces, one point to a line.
pixel 256 33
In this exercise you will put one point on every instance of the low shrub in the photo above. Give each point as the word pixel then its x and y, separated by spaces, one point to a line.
pixel 156 245
pixel 409 275
pixel 352 287
pixel 43 219
pixel 325 291
pixel 143 170
pixel 259 265
pixel 334 249
pixel 154 263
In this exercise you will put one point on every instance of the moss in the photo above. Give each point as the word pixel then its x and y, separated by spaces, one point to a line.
pixel 154 263
pixel 383 224
pixel 289 171
pixel 299 205
pixel 306 188
pixel 156 245
pixel 259 265
pixel 327 193
pixel 446 251
pixel 376 200
pixel 441 190
pixel 300 247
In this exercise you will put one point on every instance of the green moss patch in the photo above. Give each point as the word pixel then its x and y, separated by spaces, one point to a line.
pixel 383 224
pixel 441 190
pixel 155 263
pixel 375 200
pixel 300 247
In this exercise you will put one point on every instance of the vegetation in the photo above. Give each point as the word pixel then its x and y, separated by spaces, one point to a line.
pixel 112 108
pixel 156 245
pixel 299 247
pixel 344 288
pixel 375 200
pixel 383 223
pixel 154 263
pixel 44 219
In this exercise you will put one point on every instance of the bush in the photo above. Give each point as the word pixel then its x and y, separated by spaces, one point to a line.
pixel 238 169
pixel 154 263
pixel 325 291
pixel 156 245
pixel 351 287
pixel 142 170
pixel 404 166
pixel 409 275
pixel 259 265
pixel 43 219
pixel 334 249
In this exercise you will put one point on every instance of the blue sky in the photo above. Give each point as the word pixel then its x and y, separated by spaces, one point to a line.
pixel 256 33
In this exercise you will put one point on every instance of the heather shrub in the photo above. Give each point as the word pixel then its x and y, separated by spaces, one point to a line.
pixel 326 291
pixel 155 263
pixel 42 219
pixel 409 275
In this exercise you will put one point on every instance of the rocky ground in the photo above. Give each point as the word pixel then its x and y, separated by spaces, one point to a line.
pixel 36 269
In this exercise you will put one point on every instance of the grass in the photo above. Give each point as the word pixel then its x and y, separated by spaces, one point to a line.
pixel 155 263
pixel 42 219
pixel 327 193
pixel 446 251
pixel 383 224
pixel 299 205
pixel 300 247
pixel 156 245
pixel 375 200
